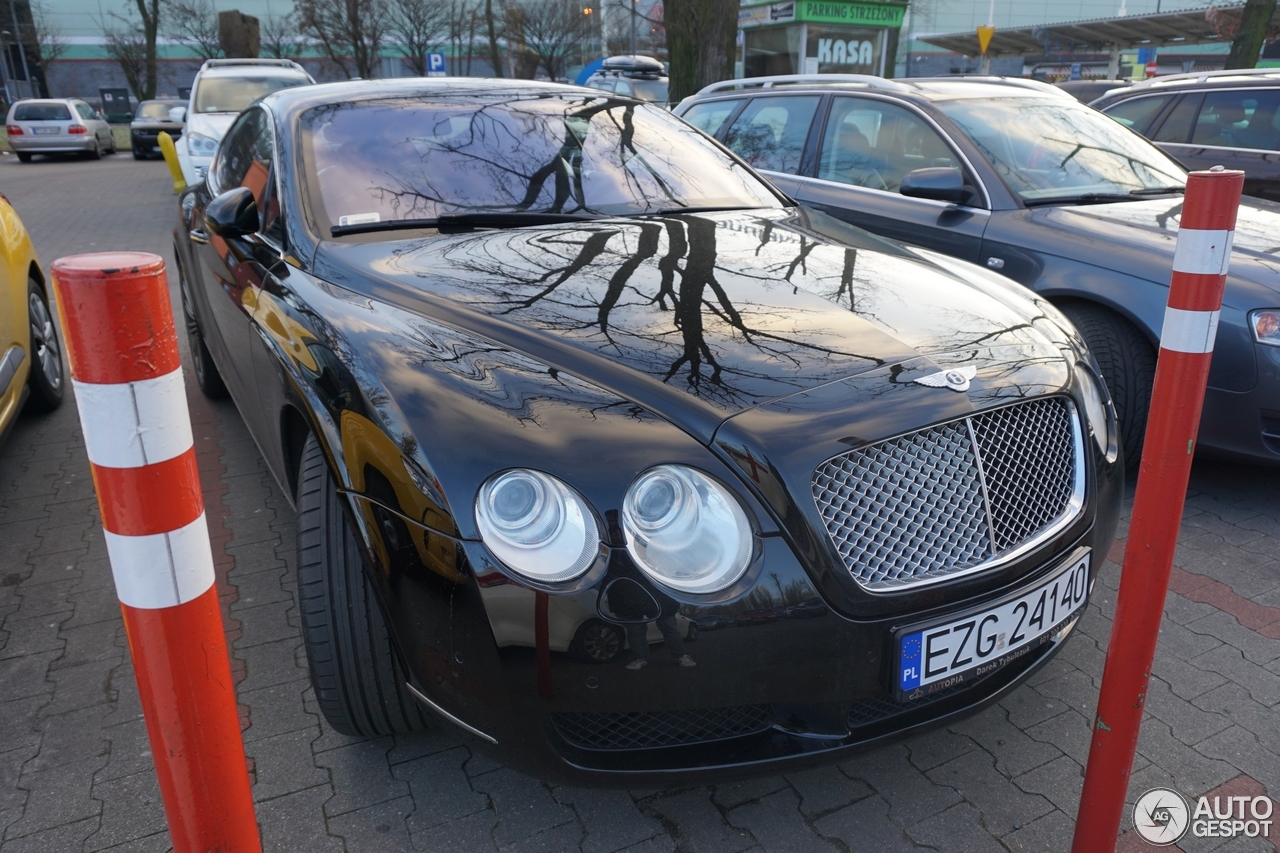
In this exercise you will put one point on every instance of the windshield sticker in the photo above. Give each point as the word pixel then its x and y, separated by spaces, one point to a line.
pixel 359 219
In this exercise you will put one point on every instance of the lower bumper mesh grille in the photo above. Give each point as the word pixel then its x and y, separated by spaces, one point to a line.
pixel 955 497
pixel 650 729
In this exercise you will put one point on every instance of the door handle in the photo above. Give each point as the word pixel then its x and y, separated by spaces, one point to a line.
pixel 197 235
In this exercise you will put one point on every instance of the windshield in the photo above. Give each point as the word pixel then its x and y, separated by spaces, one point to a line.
pixel 389 160
pixel 232 94
pixel 1061 149
pixel 156 109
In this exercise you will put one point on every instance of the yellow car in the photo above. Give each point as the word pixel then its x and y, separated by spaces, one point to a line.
pixel 30 354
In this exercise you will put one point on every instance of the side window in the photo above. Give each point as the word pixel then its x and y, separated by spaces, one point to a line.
pixel 1137 113
pixel 1177 127
pixel 85 111
pixel 622 87
pixel 1243 118
pixel 874 144
pixel 770 133
pixel 244 160
pixel 710 115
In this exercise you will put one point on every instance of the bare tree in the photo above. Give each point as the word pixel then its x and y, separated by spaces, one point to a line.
pixel 44 38
pixel 462 22
pixel 495 55
pixel 194 23
pixel 549 30
pixel 279 36
pixel 350 32
pixel 416 26
pixel 131 42
pixel 700 39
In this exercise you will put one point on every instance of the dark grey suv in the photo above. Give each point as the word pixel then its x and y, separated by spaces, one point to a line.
pixel 1023 179
pixel 1229 118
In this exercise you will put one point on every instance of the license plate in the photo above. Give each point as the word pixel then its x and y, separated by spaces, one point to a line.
pixel 944 654
pixel 43 130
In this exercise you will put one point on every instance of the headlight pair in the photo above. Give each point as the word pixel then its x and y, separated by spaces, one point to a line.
pixel 201 146
pixel 683 529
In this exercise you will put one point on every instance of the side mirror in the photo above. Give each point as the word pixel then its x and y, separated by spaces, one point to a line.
pixel 177 115
pixel 940 183
pixel 232 214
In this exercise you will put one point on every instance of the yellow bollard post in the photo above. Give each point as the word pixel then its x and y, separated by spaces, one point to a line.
pixel 171 157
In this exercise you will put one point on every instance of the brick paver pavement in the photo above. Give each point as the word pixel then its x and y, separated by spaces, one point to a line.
pixel 76 774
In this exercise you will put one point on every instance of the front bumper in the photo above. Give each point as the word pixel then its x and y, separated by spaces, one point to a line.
pixel 146 140
pixel 1246 425
pixel 807 688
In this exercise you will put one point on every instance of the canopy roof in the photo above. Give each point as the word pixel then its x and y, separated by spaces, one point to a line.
pixel 1189 26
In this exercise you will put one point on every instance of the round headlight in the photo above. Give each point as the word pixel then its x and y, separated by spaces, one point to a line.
pixel 536 525
pixel 1094 407
pixel 685 530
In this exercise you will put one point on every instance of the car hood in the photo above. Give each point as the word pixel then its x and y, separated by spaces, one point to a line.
pixel 1148 232
pixel 212 125
pixel 700 316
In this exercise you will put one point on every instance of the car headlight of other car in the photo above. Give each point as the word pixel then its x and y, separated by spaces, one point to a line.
pixel 1266 326
pixel 537 526
pixel 1095 407
pixel 201 146
pixel 685 530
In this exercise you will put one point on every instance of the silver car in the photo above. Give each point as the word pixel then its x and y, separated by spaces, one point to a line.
pixel 57 126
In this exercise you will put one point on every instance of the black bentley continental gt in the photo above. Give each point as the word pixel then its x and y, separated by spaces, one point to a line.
pixel 554 381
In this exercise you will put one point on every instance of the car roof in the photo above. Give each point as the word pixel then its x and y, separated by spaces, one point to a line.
pixel 254 71
pixel 305 97
pixel 1241 78
pixel 925 88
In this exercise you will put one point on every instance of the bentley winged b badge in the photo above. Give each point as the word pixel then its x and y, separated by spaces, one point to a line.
pixel 957 378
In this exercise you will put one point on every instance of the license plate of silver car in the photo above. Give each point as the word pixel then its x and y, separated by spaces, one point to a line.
pixel 45 130
pixel 942 655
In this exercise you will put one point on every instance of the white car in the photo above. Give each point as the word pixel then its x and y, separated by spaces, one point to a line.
pixel 222 88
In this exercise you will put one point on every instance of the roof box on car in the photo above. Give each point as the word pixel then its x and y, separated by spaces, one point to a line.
pixel 633 65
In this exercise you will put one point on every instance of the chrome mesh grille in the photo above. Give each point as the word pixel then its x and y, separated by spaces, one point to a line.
pixel 950 498
pixel 651 729
pixel 1028 457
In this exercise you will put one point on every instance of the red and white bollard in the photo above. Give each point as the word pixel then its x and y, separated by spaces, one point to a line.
pixel 1182 372
pixel 127 377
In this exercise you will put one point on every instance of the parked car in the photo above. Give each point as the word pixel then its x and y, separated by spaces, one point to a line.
pixel 1087 91
pixel 30 354
pixel 1039 188
pixel 221 89
pixel 152 119
pixel 57 126
pixel 1210 118
pixel 641 77
pixel 608 353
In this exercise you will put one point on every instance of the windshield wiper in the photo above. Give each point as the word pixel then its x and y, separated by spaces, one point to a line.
pixel 1102 198
pixel 465 222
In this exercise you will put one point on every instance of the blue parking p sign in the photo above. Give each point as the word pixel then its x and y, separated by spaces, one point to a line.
pixel 435 65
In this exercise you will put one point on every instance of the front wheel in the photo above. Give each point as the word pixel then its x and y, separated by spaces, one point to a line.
pixel 597 641
pixel 45 380
pixel 1127 362
pixel 357 676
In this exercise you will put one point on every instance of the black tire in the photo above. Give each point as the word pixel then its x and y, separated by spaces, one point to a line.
pixel 207 375
pixel 95 153
pixel 692 633
pixel 138 155
pixel 597 641
pixel 358 679
pixel 46 379
pixel 1128 364
pixel 24 157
